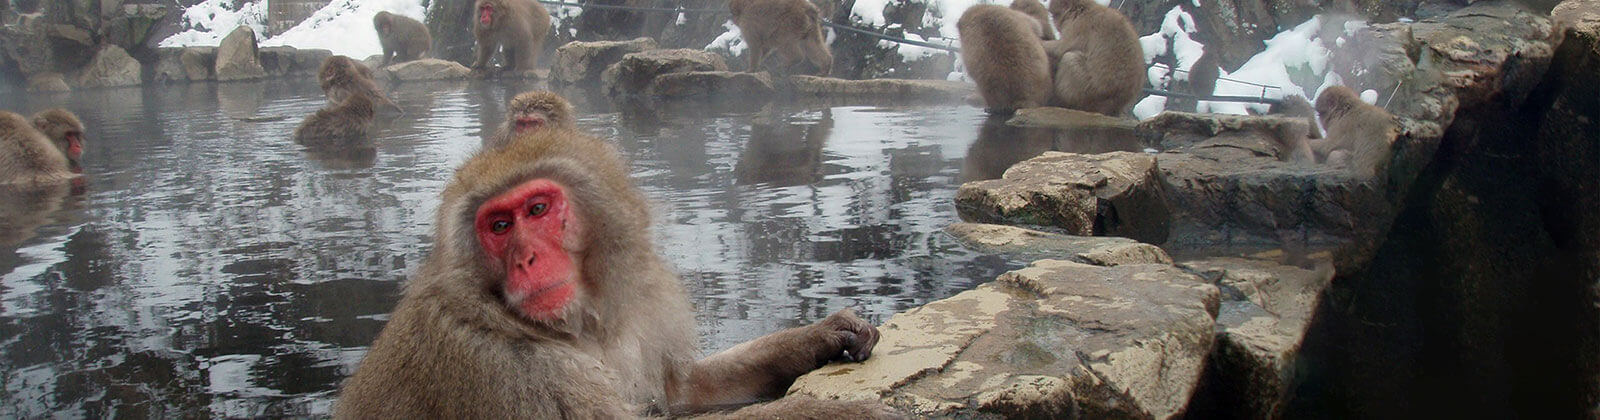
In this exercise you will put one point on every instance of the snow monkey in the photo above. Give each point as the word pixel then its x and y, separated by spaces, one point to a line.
pixel 1098 63
pixel 342 76
pixel 342 126
pixel 517 27
pixel 1358 134
pixel 1036 10
pixel 402 38
pixel 531 111
pixel 40 151
pixel 543 297
pixel 1002 53
pixel 790 28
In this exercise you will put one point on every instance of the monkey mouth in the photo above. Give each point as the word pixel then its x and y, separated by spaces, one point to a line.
pixel 525 124
pixel 74 147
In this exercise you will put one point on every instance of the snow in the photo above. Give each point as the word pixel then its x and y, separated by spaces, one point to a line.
pixel 1298 49
pixel 343 26
pixel 729 41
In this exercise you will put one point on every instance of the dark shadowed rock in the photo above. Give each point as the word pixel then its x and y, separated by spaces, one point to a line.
pixel 1055 340
pixel 635 71
pixel 426 69
pixel 581 63
pixel 1111 194
pixel 168 67
pixel 110 67
pixel 199 63
pixel 237 57
pixel 48 82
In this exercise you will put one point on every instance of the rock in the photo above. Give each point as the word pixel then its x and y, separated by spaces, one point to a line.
pixel 110 67
pixel 290 61
pixel 48 82
pixel 168 67
pixel 237 57
pixel 427 69
pixel 581 63
pixel 895 91
pixel 1173 130
pixel 722 87
pixel 1112 194
pixel 635 71
pixel 198 62
pixel 1055 340
pixel 1034 244
pixel 1062 118
pixel 130 25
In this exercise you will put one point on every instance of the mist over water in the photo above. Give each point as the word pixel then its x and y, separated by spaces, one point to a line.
pixel 209 267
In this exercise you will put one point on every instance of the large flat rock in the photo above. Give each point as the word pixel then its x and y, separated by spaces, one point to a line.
pixel 878 90
pixel 1035 245
pixel 426 69
pixel 1109 194
pixel 581 62
pixel 1055 340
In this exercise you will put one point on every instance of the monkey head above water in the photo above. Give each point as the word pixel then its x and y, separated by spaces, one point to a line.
pixel 45 149
pixel 543 297
pixel 340 77
pixel 529 111
pixel 63 129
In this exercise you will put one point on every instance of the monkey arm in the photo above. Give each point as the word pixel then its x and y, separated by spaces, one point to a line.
pixel 765 367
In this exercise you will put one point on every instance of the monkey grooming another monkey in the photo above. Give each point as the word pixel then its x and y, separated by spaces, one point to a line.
pixel 543 297
pixel 790 28
pixel 342 77
pixel 516 26
pixel 1001 51
pixel 529 111
pixel 1098 63
pixel 1358 135
pixel 402 38
pixel 342 126
pixel 1036 10
pixel 28 156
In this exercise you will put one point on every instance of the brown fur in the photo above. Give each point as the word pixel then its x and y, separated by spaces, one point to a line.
pixel 1036 10
pixel 1098 63
pixel 519 26
pixel 1298 107
pixel 1001 51
pixel 403 38
pixel 1203 76
pixel 58 124
pixel 341 77
pixel 341 126
pixel 27 156
pixel 622 347
pixel 1359 134
pixel 552 109
pixel 790 28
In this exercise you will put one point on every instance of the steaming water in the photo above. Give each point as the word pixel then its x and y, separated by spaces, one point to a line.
pixel 209 267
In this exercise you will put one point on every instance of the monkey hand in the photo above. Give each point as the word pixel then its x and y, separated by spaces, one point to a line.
pixel 849 337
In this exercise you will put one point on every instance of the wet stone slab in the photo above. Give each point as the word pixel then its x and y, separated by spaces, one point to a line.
pixel 1109 194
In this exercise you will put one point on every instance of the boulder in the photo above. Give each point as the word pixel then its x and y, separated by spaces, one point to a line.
pixel 199 62
pixel 168 67
pixel 1111 194
pixel 130 25
pixel 48 82
pixel 290 61
pixel 581 63
pixel 1057 339
pixel 1033 244
pixel 426 69
pixel 897 91
pixel 631 75
pixel 728 88
pixel 1069 119
pixel 238 58
pixel 110 67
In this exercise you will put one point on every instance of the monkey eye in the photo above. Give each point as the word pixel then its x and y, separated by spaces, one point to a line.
pixel 500 226
pixel 537 209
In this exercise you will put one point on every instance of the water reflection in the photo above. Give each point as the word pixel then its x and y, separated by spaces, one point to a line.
pixel 213 268
pixel 1000 145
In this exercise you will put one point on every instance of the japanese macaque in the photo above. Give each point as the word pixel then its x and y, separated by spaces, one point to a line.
pixel 342 77
pixel 530 111
pixel 790 28
pixel 1203 77
pixel 1359 135
pixel 1036 10
pixel 1001 52
pixel 341 126
pixel 516 26
pixel 30 156
pixel 402 38
pixel 1098 63
pixel 64 130
pixel 1297 106
pixel 543 297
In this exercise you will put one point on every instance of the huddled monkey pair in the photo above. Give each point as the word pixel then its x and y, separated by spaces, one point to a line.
pixel 543 297
pixel 1359 136
pixel 1012 55
pixel 353 98
pixel 41 149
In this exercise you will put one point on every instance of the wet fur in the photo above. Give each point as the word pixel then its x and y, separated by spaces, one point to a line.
pixel 1001 51
pixel 1036 10
pixel 1098 63
pixel 345 125
pixel 28 156
pixel 624 348
pixel 402 38
pixel 1359 135
pixel 56 124
pixel 518 27
pixel 792 29
pixel 340 77
pixel 557 111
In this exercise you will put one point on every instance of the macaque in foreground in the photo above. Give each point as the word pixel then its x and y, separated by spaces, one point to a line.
pixel 1036 10
pixel 790 28
pixel 1001 52
pixel 43 150
pixel 543 297
pixel 1359 134
pixel 402 38
pixel 518 27
pixel 340 77
pixel 1098 63
pixel 529 111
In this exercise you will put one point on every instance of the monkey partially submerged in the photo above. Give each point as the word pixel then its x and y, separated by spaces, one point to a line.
pixel 518 27
pixel 43 150
pixel 529 111
pixel 343 126
pixel 543 297
pixel 402 38
pixel 1001 51
pixel 1098 65
pixel 792 29
pixel 340 77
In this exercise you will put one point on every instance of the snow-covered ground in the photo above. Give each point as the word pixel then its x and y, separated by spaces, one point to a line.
pixel 343 26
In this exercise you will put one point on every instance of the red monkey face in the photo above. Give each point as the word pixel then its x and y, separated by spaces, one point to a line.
pixel 486 14
pixel 526 230
pixel 531 120
pixel 74 144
